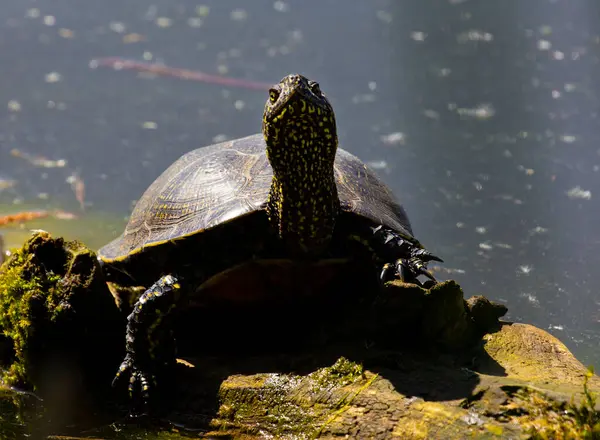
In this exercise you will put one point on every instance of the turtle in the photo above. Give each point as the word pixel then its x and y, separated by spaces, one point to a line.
pixel 286 194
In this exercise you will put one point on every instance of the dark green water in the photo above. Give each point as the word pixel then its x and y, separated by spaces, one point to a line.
pixel 482 116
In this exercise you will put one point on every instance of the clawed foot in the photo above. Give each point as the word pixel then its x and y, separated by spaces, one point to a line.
pixel 141 382
pixel 408 270
pixel 149 342
pixel 414 257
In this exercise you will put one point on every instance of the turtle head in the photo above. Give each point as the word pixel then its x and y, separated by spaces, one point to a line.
pixel 301 137
pixel 299 128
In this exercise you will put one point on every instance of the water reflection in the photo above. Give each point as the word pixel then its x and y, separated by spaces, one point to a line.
pixel 481 115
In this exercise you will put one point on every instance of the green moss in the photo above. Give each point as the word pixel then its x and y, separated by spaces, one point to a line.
pixel 568 421
pixel 588 418
pixel 539 415
pixel 264 397
pixel 288 405
pixel 53 302
pixel 27 293
pixel 342 373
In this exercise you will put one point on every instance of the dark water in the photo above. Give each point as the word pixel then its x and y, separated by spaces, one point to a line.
pixel 482 116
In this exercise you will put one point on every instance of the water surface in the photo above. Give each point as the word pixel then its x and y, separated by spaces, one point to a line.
pixel 482 117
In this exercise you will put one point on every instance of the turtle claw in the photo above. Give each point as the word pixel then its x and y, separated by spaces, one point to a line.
pixel 407 270
pixel 386 273
pixel 410 257
pixel 416 266
pixel 425 256
pixel 150 351
pixel 140 382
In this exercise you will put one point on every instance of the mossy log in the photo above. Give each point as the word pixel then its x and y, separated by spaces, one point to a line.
pixel 519 382
pixel 409 363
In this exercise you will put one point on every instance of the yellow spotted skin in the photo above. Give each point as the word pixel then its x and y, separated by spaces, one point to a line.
pixel 300 133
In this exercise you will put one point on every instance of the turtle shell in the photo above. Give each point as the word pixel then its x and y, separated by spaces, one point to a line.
pixel 213 185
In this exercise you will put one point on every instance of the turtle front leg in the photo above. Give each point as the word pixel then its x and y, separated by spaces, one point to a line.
pixel 148 350
pixel 406 259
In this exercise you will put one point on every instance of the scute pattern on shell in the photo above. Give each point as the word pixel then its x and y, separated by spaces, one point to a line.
pixel 212 185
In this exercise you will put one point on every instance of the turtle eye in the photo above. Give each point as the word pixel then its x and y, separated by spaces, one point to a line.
pixel 273 95
pixel 314 87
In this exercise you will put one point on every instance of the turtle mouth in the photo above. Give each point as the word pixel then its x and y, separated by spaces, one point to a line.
pixel 293 96
pixel 299 128
pixel 298 105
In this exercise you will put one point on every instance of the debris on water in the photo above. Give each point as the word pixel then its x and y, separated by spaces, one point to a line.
pixel 49 20
pixel 578 193
pixel 363 98
pixel 396 138
pixel 32 13
pixel 195 22
pixel 384 16
pixel 220 138
pixel 150 125
pixel 27 216
pixel 544 45
pixel 53 77
pixel 527 171
pixel 474 35
pixel 203 10
pixel 486 246
pixel 556 327
pixel 568 138
pixel 78 187
pixel 531 298
pixel 22 217
pixel 38 161
pixel 431 114
pixel 133 38
pixel 482 111
pixel 448 270
pixel 6 183
pixel 56 105
pixel 538 230
pixel 64 215
pixel 239 105
pixel 238 15
pixel 525 269
pixel 66 33
pixel 118 63
pixel 481 229
pixel 117 26
pixel 280 6
pixel 14 106
pixel 378 164
pixel 164 22
pixel 418 35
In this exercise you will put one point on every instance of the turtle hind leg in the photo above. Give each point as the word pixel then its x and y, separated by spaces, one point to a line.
pixel 406 259
pixel 149 342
